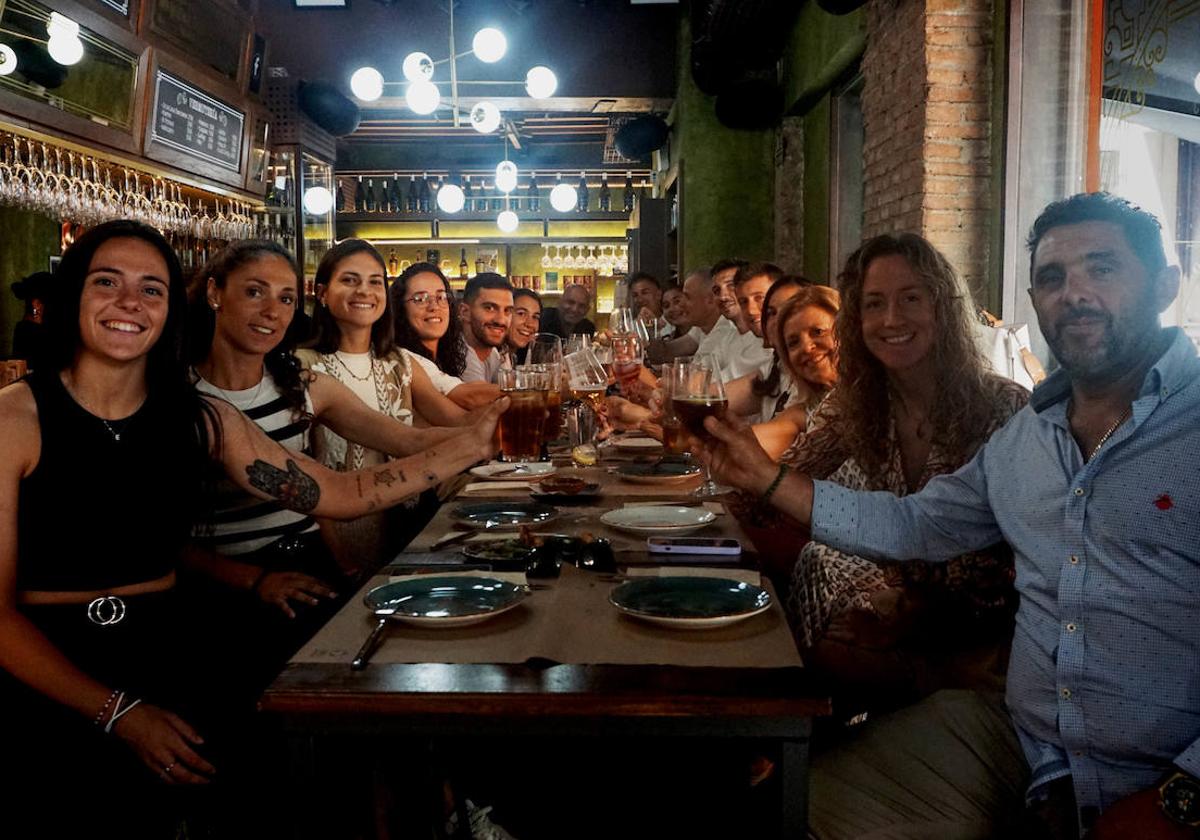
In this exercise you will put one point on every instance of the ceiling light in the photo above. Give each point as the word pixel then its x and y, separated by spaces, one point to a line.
pixel 418 66
pixel 367 84
pixel 64 49
pixel 489 45
pixel 507 221
pixel 318 201
pixel 563 197
pixel 540 82
pixel 485 117
pixel 506 176
pixel 61 25
pixel 422 97
pixel 8 60
pixel 450 198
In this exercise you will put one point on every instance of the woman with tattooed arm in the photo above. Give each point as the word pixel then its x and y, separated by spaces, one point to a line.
pixel 110 433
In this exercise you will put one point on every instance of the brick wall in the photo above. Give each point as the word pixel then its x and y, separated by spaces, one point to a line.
pixel 927 124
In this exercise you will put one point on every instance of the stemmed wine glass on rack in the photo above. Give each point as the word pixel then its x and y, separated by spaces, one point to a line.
pixel 696 393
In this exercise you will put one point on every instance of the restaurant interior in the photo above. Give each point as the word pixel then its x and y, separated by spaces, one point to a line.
pixel 560 144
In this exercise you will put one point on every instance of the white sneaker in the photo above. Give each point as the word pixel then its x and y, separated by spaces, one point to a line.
pixel 482 827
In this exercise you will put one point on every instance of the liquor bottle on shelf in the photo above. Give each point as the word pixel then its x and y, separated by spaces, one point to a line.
pixel 396 195
pixel 413 201
pixel 383 198
pixel 462 265
pixel 424 194
pixel 370 205
pixel 581 191
pixel 339 195
pixel 360 196
pixel 468 197
pixel 605 198
pixel 628 197
pixel 497 199
pixel 533 199
pixel 420 257
pixel 393 265
pixel 479 264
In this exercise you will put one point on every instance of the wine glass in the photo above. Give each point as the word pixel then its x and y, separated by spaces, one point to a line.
pixel 696 393
pixel 558 258
pixel 569 260
pixel 586 377
pixel 579 341
pixel 627 351
pixel 546 261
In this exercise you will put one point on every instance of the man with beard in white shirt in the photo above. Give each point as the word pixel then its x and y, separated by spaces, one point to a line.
pixel 487 310
pixel 745 353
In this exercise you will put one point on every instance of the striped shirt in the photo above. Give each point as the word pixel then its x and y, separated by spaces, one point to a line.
pixel 243 523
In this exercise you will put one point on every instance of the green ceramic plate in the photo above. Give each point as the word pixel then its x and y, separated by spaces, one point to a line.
pixel 444 601
pixel 696 603
pixel 502 515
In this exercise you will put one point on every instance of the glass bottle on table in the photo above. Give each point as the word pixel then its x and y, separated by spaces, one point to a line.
pixel 696 394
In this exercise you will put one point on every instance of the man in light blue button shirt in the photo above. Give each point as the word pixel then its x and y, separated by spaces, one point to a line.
pixel 1096 486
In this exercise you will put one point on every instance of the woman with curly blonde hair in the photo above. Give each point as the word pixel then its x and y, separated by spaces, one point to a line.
pixel 914 399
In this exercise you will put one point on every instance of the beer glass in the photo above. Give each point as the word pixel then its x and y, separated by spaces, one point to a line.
pixel 521 426
pixel 546 352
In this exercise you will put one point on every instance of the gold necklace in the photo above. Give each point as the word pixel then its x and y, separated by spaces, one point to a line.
pixel 1125 415
pixel 370 354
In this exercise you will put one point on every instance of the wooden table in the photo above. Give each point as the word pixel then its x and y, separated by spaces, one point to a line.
pixel 314 699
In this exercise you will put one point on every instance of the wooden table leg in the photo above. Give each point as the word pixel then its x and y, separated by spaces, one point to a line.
pixel 793 789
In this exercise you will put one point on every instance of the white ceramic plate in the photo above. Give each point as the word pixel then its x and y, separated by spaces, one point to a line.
pixel 502 471
pixel 658 520
pixel 638 444
pixel 436 601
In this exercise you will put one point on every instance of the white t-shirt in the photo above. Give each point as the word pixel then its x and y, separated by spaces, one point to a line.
pixel 721 341
pixel 443 382
pixel 481 370
pixel 748 355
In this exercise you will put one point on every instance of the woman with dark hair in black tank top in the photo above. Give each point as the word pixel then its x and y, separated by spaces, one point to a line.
pixel 105 449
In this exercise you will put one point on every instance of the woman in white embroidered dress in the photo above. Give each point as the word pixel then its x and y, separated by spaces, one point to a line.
pixel 354 345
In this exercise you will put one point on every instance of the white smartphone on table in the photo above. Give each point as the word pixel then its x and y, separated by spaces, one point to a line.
pixel 693 545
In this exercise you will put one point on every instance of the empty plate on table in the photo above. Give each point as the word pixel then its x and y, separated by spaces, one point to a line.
pixel 436 601
pixel 638 444
pixel 502 515
pixel 658 520
pixel 690 603
pixel 663 472
pixel 503 471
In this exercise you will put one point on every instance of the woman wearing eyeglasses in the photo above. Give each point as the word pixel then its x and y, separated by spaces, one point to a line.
pixel 427 326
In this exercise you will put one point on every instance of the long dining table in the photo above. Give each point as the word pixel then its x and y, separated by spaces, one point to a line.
pixel 565 663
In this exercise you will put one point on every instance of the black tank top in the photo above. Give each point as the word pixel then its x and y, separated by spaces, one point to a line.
pixel 98 512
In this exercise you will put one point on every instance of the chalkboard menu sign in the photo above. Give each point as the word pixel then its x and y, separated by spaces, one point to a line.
pixel 193 122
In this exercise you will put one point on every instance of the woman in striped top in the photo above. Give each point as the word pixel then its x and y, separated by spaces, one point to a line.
pixel 241 308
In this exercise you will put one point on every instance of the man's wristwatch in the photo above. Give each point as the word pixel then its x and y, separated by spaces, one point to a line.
pixel 1179 797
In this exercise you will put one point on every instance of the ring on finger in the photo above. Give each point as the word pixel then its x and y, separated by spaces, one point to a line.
pixel 167 770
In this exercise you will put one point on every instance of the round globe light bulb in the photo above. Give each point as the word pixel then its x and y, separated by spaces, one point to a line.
pixel 1196 83
pixel 318 201
pixel 422 97
pixel 367 84
pixel 65 49
pixel 506 176
pixel 563 197
pixel 540 82
pixel 418 66
pixel 489 45
pixel 450 198
pixel 60 24
pixel 485 117
pixel 507 221
pixel 8 60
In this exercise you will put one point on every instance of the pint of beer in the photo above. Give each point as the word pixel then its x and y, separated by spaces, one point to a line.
pixel 522 425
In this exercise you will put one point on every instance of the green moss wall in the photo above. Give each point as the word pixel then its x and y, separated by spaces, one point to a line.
pixel 728 207
pixel 26 242
pixel 820 50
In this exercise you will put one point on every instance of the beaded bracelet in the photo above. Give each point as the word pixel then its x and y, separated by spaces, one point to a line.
pixel 783 470
pixel 104 708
